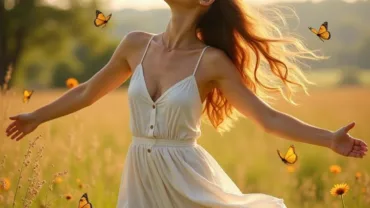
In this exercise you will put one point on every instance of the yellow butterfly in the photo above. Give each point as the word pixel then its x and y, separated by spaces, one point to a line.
pixel 27 95
pixel 84 202
pixel 323 32
pixel 290 157
pixel 101 19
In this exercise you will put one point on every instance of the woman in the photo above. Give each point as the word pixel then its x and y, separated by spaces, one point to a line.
pixel 210 54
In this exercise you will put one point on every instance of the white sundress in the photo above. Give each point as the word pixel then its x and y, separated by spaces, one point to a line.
pixel 165 167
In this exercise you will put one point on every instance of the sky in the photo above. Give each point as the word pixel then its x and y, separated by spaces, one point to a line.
pixel 151 4
pixel 155 4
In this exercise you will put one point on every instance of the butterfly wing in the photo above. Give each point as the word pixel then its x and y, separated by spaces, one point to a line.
pixel 291 157
pixel 89 205
pixel 281 156
pixel 313 30
pixel 325 35
pixel 98 22
pixel 323 28
pixel 108 17
pixel 100 19
pixel 84 202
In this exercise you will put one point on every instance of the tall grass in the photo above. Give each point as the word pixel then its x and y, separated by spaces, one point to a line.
pixel 85 152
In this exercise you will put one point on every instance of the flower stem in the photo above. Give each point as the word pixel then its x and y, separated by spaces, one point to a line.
pixel 341 196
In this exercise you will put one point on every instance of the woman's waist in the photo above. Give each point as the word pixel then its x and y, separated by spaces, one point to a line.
pixel 188 142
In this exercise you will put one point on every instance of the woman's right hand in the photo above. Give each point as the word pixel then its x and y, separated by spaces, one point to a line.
pixel 22 125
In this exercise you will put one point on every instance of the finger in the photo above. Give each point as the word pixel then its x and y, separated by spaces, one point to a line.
pixel 12 131
pixel 362 143
pixel 16 134
pixel 364 148
pixel 353 154
pixel 349 127
pixel 14 117
pixel 357 147
pixel 11 126
pixel 20 136
pixel 358 152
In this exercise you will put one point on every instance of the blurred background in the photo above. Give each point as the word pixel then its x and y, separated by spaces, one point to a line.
pixel 45 42
pixel 49 40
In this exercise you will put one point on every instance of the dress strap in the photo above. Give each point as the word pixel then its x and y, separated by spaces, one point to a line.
pixel 200 58
pixel 146 49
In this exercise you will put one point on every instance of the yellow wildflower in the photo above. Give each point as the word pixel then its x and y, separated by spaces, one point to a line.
pixel 339 189
pixel 335 169
pixel 58 180
pixel 4 184
pixel 71 83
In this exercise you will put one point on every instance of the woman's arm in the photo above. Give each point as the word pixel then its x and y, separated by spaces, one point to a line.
pixel 111 76
pixel 228 80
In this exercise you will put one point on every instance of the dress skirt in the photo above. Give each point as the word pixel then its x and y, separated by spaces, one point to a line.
pixel 163 173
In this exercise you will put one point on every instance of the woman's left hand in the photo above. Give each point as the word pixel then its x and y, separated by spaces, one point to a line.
pixel 346 145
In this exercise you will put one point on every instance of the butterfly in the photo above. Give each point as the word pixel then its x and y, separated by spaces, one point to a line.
pixel 101 19
pixel 290 157
pixel 27 95
pixel 323 32
pixel 84 202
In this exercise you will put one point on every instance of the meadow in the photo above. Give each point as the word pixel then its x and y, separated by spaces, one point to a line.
pixel 85 152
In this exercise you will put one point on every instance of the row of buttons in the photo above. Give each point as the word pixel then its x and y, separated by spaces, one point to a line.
pixel 152 123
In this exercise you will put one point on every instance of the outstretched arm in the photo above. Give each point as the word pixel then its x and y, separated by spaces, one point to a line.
pixel 246 102
pixel 111 76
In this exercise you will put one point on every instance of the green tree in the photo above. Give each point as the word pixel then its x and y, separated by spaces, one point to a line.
pixel 35 36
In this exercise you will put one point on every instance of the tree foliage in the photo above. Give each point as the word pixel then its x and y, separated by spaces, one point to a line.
pixel 36 37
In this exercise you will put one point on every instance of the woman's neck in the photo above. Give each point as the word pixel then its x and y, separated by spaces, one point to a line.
pixel 181 30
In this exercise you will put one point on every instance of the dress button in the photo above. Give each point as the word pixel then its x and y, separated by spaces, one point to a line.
pixel 153 106
pixel 151 126
pixel 149 150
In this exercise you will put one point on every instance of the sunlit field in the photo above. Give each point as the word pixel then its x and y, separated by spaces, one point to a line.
pixel 91 145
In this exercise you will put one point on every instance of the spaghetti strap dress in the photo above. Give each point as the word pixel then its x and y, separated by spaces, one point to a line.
pixel 164 166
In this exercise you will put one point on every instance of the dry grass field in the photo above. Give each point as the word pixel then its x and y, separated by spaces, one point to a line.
pixel 91 146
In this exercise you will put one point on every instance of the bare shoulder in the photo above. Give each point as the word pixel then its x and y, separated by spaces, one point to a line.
pixel 132 46
pixel 134 41
pixel 218 65
pixel 137 38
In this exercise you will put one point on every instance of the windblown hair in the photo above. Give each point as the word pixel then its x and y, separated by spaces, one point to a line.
pixel 267 60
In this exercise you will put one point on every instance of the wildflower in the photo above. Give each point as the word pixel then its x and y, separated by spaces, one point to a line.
pixel 79 184
pixel 340 190
pixel 68 197
pixel 4 184
pixel 71 83
pixel 58 180
pixel 335 169
pixel 358 175
pixel 290 169
pixel 363 190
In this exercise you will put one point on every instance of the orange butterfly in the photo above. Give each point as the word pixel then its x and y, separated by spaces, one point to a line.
pixel 84 202
pixel 101 19
pixel 323 32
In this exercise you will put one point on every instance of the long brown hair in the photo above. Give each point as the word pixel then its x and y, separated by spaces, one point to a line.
pixel 266 60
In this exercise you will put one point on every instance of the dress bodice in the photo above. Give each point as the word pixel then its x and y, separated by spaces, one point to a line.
pixel 174 115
